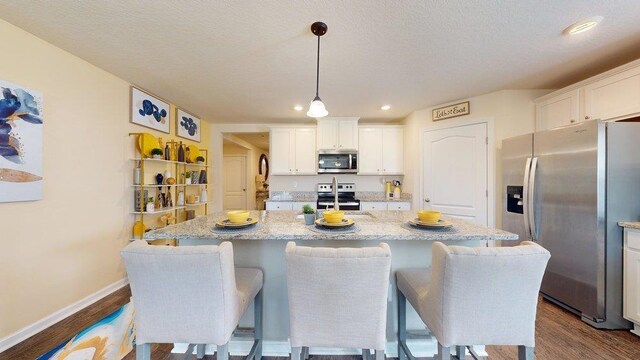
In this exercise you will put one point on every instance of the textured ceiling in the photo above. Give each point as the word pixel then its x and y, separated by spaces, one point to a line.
pixel 251 61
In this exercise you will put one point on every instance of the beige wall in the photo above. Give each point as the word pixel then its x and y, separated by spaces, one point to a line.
pixel 512 113
pixel 65 247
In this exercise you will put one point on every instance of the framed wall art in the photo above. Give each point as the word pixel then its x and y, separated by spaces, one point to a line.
pixel 187 125
pixel 21 125
pixel 149 111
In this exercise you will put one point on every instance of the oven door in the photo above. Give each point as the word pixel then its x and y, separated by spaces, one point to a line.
pixel 337 163
pixel 347 205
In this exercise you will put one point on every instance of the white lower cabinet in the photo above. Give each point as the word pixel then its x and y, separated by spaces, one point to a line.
pixel 381 205
pixel 631 308
pixel 279 205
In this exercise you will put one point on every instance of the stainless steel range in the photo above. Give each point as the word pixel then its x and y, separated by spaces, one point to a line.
pixel 346 196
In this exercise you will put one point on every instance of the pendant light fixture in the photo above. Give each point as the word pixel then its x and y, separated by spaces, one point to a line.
pixel 316 108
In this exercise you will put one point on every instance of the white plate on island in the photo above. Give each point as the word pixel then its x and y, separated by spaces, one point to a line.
pixel 342 224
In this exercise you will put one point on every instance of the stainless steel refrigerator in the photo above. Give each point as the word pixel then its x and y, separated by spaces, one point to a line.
pixel 566 189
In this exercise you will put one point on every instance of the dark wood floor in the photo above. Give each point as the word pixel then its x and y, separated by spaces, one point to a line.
pixel 560 335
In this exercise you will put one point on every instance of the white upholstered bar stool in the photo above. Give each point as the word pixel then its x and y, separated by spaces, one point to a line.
pixel 338 298
pixel 190 294
pixel 475 296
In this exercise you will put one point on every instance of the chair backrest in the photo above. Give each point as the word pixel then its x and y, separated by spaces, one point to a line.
pixel 485 295
pixel 338 297
pixel 183 294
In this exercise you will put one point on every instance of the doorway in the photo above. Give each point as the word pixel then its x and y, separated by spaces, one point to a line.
pixel 456 171
pixel 244 170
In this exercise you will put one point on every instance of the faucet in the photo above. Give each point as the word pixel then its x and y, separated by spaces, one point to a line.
pixel 334 189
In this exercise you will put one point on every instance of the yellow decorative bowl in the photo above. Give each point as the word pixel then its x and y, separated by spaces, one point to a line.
pixel 333 216
pixel 238 216
pixel 429 216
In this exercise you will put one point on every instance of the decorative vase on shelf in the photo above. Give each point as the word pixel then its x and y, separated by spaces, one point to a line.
pixel 203 195
pixel 159 179
pixel 150 205
pixel 187 155
pixel 181 152
pixel 167 175
pixel 187 181
pixel 180 200
pixel 203 177
pixel 167 151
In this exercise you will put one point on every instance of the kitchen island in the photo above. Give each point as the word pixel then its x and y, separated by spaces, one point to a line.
pixel 263 247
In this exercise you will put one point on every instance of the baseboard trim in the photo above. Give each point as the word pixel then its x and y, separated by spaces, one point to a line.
pixel 61 314
pixel 419 348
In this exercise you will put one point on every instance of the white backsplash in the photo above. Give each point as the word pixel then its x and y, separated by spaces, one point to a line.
pixel 308 183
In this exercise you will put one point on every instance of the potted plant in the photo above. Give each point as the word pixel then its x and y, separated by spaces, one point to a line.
pixel 156 153
pixel 187 177
pixel 309 214
pixel 200 160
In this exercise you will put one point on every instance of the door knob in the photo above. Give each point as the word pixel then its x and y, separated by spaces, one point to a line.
pixel 427 200
pixel 586 118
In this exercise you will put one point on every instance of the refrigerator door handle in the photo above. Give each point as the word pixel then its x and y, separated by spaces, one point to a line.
pixel 525 199
pixel 531 197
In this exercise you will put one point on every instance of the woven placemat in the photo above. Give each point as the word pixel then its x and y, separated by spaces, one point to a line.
pixel 322 230
pixel 422 229
pixel 250 228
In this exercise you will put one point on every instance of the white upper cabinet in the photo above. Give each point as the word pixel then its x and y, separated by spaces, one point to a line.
pixel 293 151
pixel 381 150
pixel 337 134
pixel 305 151
pixel 560 110
pixel 613 97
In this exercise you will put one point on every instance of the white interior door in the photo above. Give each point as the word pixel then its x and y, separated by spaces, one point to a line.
pixel 455 172
pixel 235 183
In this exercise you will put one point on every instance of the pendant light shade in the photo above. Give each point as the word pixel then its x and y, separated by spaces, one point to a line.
pixel 316 108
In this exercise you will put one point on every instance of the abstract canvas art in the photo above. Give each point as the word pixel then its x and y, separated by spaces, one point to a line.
pixel 20 143
pixel 187 125
pixel 110 338
pixel 149 111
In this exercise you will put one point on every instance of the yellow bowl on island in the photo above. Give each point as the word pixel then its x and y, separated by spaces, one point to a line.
pixel 429 216
pixel 238 216
pixel 333 216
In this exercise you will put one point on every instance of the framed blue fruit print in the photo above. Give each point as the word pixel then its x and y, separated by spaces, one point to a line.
pixel 187 125
pixel 149 111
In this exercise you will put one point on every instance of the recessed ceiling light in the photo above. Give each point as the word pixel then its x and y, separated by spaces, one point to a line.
pixel 583 25
pixel 385 107
pixel 298 108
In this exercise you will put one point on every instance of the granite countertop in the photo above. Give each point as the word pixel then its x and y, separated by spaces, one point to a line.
pixel 630 224
pixel 296 199
pixel 284 225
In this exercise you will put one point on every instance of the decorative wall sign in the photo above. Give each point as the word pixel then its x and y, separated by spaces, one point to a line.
pixel 187 125
pixel 20 143
pixel 149 111
pixel 110 338
pixel 451 111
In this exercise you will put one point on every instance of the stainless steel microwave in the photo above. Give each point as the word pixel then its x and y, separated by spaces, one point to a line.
pixel 337 162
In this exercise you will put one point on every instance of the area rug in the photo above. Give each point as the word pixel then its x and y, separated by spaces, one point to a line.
pixel 110 338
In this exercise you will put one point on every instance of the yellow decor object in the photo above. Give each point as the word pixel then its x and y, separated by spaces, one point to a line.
pixel 171 181
pixel 191 199
pixel 138 228
pixel 339 224
pixel 150 143
pixel 194 152
pixel 429 216
pixel 333 216
pixel 238 216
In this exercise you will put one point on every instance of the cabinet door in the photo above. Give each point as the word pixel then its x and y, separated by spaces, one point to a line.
pixel 368 206
pixel 282 151
pixel 560 110
pixel 278 205
pixel 392 150
pixel 400 206
pixel 614 97
pixel 305 151
pixel 348 134
pixel 632 285
pixel 370 151
pixel 327 134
